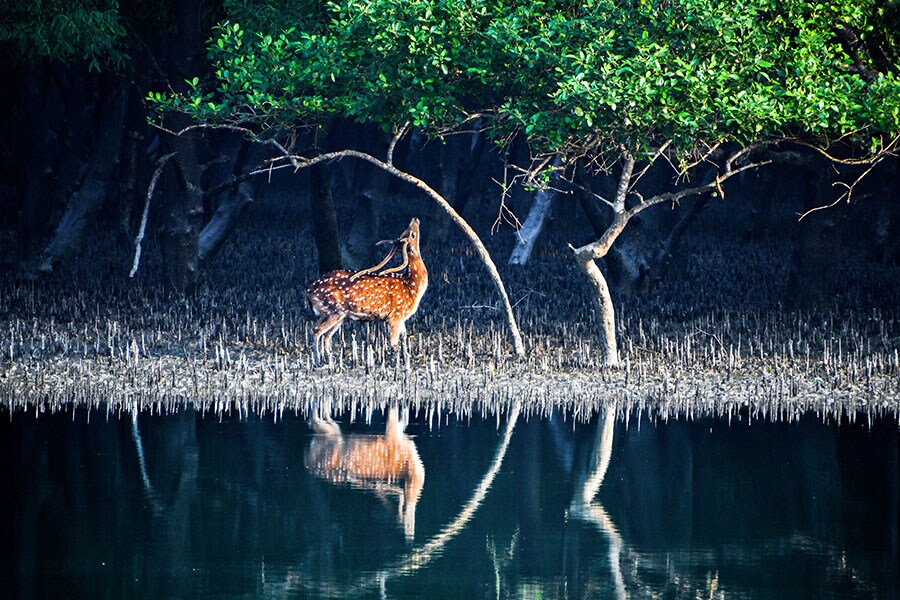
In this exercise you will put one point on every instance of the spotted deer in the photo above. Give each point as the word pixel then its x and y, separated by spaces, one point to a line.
pixel 380 463
pixel 390 295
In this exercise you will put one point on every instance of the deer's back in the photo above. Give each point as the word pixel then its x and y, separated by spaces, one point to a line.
pixel 369 296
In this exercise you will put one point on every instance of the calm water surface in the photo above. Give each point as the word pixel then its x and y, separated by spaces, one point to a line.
pixel 187 506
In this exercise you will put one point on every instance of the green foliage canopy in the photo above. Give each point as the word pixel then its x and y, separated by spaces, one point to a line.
pixel 581 77
pixel 64 30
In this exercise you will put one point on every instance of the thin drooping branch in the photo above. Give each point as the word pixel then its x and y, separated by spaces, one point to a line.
pixel 138 240
pixel 298 162
pixel 888 150
pixel 848 193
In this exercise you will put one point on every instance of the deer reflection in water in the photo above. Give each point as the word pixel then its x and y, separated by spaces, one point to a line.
pixel 376 462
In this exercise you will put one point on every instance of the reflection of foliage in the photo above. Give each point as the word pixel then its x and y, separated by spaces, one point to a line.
pixel 582 77
pixel 64 30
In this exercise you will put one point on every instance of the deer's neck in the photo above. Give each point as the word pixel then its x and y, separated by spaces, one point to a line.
pixel 417 275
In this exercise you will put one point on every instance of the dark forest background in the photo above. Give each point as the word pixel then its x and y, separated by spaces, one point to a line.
pixel 80 148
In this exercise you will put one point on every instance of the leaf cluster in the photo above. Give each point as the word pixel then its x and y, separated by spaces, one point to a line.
pixel 64 30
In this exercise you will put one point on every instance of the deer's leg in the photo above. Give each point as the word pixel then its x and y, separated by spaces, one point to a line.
pixel 396 327
pixel 326 326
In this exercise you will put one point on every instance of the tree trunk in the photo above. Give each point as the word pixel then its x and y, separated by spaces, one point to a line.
pixel 586 256
pixel 38 168
pixel 224 221
pixel 816 248
pixel 604 309
pixel 182 214
pixel 357 250
pixel 93 190
pixel 531 229
pixel 471 161
pixel 324 220
pixel 182 209
pixel 536 220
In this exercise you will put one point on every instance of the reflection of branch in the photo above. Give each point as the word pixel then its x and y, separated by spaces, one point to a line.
pixel 501 562
pixel 596 515
pixel 582 507
pixel 601 455
pixel 139 448
pixel 421 556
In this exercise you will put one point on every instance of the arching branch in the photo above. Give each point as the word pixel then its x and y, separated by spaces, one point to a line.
pixel 301 162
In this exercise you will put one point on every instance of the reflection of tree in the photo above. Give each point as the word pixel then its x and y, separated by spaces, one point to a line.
pixel 375 462
pixel 583 506
pixel 676 487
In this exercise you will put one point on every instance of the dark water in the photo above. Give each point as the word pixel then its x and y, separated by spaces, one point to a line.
pixel 186 506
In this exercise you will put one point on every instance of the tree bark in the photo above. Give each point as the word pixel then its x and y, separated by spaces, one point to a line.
pixel 537 218
pixel 182 214
pixel 532 227
pixel 357 250
pixel 224 221
pixel 604 308
pixel 324 220
pixel 90 195
pixel 182 209
pixel 586 255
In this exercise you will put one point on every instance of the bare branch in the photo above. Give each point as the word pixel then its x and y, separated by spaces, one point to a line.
pixel 399 135
pixel 600 247
pixel 587 191
pixel 143 228
pixel 888 150
pixel 848 194
pixel 284 150
pixel 504 214
pixel 658 153
pixel 201 126
pixel 703 158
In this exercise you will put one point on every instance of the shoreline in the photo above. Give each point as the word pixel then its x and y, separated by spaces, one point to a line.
pixel 269 387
